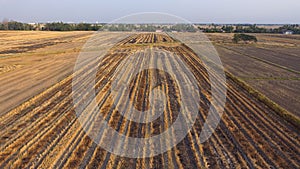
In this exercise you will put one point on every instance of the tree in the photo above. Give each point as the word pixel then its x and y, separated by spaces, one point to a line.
pixel 228 29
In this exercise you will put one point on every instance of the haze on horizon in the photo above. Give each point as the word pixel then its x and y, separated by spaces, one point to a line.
pixel 196 11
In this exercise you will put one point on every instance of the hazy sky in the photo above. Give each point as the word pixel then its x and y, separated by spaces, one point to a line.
pixel 200 11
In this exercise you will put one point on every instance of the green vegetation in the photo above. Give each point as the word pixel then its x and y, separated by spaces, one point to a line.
pixel 149 27
pixel 228 29
pixel 294 28
pixel 212 28
pixel 60 26
pixel 12 25
pixel 55 26
pixel 243 37
pixel 248 28
pixel 87 27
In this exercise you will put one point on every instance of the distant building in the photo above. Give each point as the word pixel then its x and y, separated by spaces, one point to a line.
pixel 288 32
pixel 159 30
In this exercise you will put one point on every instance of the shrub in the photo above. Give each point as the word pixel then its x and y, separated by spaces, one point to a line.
pixel 243 37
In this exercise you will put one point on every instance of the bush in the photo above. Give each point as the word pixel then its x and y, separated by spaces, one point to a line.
pixel 243 37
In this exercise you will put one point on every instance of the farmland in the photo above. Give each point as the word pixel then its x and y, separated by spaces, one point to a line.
pixel 33 61
pixel 272 63
pixel 39 128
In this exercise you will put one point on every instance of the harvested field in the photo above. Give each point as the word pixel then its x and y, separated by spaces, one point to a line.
pixel 45 133
pixel 26 71
pixel 270 66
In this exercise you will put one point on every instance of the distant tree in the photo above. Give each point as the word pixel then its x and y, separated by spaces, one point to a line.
pixel 59 26
pixel 239 29
pixel 83 27
pixel 228 29
pixel 13 25
pixel 5 24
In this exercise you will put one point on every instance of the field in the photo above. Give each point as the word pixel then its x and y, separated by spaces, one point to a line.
pixel 43 131
pixel 272 63
pixel 31 62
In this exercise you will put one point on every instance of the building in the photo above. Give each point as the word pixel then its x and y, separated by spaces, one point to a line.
pixel 288 32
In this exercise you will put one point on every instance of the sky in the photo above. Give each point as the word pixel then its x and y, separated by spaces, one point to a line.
pixel 196 11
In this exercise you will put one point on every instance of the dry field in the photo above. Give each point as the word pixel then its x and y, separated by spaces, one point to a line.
pixel 43 132
pixel 31 62
pixel 270 66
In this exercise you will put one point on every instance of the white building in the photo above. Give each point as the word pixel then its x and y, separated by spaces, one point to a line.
pixel 288 32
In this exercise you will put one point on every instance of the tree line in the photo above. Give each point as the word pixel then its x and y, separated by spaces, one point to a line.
pixel 149 27
pixel 12 25
pixel 55 26
pixel 61 26
pixel 249 29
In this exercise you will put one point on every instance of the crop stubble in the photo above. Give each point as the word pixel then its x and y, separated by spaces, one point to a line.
pixel 44 131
